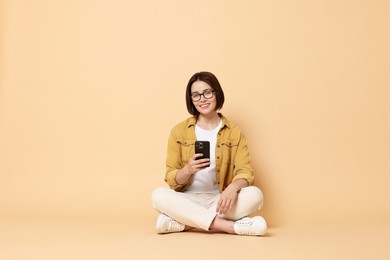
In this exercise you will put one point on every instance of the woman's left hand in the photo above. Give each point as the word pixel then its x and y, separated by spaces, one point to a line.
pixel 227 199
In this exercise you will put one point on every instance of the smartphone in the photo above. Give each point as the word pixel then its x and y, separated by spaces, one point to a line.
pixel 204 148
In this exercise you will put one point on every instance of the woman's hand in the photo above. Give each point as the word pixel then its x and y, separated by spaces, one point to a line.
pixel 227 199
pixel 194 165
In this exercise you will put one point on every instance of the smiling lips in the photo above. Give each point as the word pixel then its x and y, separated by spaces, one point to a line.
pixel 203 106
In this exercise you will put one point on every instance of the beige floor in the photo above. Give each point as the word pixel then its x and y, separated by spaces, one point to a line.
pixel 57 240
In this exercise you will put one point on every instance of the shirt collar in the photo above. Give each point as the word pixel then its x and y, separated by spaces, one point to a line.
pixel 192 121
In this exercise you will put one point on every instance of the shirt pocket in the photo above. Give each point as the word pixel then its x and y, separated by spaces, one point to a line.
pixel 229 149
pixel 187 148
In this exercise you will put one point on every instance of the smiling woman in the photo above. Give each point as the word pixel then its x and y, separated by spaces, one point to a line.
pixel 198 83
pixel 213 194
pixel 206 105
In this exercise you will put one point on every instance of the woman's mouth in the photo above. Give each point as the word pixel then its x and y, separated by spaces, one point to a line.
pixel 204 106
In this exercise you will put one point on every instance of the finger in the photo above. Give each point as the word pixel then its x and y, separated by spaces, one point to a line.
pixel 206 160
pixel 201 166
pixel 230 207
pixel 194 167
pixel 197 155
pixel 223 207
pixel 204 165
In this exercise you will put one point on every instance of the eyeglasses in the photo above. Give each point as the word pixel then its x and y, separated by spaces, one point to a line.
pixel 207 94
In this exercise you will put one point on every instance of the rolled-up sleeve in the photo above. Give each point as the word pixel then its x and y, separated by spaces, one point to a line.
pixel 174 162
pixel 243 168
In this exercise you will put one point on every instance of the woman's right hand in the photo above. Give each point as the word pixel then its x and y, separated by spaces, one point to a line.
pixel 195 165
pixel 192 167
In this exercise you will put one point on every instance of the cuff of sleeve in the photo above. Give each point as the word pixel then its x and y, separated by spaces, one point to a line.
pixel 248 177
pixel 170 179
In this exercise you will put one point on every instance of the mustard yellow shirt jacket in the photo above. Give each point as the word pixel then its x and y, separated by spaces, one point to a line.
pixel 232 155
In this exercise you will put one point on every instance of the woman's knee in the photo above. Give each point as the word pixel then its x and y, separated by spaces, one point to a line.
pixel 158 196
pixel 255 195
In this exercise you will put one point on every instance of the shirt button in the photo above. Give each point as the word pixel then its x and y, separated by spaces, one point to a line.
pixel 218 157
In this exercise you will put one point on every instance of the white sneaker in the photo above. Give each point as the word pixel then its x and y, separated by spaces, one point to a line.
pixel 166 224
pixel 255 226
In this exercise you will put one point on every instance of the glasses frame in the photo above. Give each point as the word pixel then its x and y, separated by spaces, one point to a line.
pixel 202 94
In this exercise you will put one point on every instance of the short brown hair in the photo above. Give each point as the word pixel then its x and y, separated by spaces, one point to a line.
pixel 210 79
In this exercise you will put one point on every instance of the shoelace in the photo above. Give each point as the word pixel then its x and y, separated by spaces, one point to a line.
pixel 174 225
pixel 244 227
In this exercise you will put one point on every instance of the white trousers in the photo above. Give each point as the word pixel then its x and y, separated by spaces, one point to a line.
pixel 199 209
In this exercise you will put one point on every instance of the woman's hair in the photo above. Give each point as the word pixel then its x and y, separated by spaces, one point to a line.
pixel 210 79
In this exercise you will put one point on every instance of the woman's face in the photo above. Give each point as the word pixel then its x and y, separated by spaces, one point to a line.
pixel 204 105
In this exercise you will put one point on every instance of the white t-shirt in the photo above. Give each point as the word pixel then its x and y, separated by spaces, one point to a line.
pixel 204 181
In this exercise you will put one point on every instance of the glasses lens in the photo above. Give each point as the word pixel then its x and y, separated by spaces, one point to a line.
pixel 195 97
pixel 208 94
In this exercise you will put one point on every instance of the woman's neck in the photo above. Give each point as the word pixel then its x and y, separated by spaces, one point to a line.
pixel 208 122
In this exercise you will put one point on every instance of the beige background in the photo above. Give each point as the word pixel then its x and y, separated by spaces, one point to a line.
pixel 90 90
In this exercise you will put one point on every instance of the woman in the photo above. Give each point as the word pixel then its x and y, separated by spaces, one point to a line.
pixel 211 194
